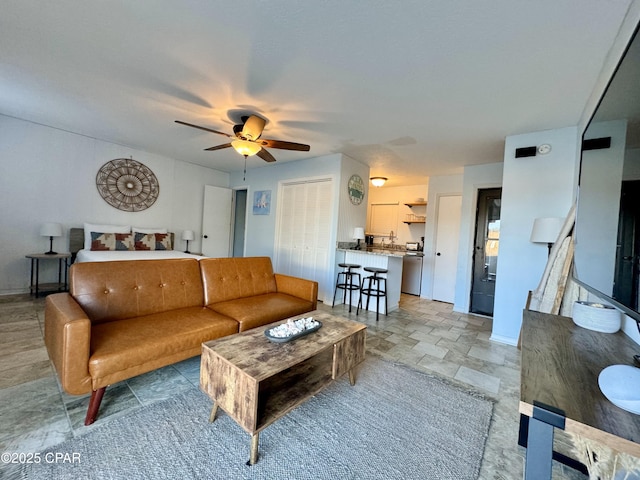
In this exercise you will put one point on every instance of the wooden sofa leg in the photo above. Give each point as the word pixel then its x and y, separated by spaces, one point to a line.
pixel 94 405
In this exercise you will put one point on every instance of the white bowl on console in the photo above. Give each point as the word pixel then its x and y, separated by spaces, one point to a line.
pixel 597 317
pixel 621 385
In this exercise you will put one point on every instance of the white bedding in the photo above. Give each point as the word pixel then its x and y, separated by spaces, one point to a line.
pixel 108 256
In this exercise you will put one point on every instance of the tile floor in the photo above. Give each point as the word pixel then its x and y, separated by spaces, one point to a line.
pixel 35 414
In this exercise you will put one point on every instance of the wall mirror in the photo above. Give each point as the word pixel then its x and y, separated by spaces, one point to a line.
pixel 607 231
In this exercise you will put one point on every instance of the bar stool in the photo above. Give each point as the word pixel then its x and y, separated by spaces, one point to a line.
pixel 374 286
pixel 347 282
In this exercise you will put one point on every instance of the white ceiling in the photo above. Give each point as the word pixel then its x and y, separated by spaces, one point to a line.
pixel 413 88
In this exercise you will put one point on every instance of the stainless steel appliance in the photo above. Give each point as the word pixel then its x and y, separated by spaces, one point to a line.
pixel 412 273
pixel 412 246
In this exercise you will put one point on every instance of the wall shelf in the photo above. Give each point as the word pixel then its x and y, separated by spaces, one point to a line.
pixel 416 204
pixel 409 222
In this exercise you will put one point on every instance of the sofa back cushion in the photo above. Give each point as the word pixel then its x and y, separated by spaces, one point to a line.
pixel 230 278
pixel 124 289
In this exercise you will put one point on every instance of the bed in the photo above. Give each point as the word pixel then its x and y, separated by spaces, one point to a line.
pixel 78 243
pixel 84 255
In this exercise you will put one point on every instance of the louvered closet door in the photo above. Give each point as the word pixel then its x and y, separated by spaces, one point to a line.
pixel 304 230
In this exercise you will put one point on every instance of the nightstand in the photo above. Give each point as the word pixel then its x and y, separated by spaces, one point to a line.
pixel 63 266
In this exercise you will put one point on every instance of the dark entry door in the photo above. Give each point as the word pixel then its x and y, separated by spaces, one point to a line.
pixel 625 288
pixel 485 251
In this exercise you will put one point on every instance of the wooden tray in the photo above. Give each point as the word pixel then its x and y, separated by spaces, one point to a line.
pixel 292 337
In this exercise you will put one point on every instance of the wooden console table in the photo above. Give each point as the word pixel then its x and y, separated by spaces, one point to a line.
pixel 559 388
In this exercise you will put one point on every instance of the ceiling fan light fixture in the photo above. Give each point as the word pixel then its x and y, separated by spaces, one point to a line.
pixel 378 181
pixel 245 147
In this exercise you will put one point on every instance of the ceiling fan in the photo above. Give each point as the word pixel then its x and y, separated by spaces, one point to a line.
pixel 248 139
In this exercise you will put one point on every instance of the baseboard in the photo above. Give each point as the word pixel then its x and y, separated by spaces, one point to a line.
pixel 506 340
pixel 20 291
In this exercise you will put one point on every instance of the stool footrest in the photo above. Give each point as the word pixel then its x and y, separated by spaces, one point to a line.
pixel 347 281
pixel 373 286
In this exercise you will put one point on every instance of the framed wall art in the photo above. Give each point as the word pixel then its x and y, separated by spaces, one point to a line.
pixel 262 202
pixel 127 185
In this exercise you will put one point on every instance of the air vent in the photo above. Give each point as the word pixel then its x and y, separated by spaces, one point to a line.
pixel 526 152
pixel 596 143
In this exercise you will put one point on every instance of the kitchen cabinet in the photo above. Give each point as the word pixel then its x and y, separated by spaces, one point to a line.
pixel 383 219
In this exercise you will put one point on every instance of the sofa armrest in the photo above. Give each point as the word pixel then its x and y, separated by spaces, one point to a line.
pixel 67 335
pixel 298 287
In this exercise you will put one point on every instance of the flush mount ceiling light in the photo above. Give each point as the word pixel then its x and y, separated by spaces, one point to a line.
pixel 378 181
pixel 246 147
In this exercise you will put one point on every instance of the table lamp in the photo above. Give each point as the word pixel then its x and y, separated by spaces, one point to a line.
pixel 187 235
pixel 546 230
pixel 51 230
pixel 358 234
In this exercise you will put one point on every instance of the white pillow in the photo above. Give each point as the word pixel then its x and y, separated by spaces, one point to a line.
pixel 93 227
pixel 148 230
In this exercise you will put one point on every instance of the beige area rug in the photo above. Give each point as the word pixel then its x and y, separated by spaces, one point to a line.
pixel 395 423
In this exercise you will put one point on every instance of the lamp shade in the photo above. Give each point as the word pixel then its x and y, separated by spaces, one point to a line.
pixel 187 235
pixel 378 181
pixel 358 233
pixel 51 230
pixel 245 147
pixel 546 229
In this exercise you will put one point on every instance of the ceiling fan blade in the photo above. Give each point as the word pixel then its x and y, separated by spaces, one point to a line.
pixel 266 156
pixel 284 145
pixel 202 128
pixel 218 147
pixel 253 127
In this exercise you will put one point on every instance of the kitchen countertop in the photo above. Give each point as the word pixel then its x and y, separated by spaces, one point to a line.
pixel 382 251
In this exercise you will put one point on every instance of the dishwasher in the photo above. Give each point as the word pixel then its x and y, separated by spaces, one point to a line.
pixel 411 273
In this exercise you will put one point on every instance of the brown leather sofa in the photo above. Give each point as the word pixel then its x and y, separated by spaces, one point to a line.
pixel 124 318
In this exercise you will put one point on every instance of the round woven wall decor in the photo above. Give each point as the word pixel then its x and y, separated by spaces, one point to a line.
pixel 127 185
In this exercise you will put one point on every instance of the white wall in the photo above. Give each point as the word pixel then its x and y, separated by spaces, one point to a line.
pixel 438 186
pixel 350 215
pixel 48 175
pixel 540 186
pixel 629 24
pixel 260 229
pixel 475 177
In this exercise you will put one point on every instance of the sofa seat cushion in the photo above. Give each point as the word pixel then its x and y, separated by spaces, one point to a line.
pixel 251 312
pixel 125 348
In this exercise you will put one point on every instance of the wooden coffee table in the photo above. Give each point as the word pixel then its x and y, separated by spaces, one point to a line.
pixel 256 381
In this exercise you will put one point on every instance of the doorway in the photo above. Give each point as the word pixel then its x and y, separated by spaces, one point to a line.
pixel 216 221
pixel 447 240
pixel 485 251
pixel 239 222
pixel 625 286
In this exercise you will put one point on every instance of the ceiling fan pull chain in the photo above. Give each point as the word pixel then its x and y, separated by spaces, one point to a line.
pixel 244 174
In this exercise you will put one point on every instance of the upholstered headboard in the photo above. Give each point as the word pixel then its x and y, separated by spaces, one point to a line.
pixel 76 241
